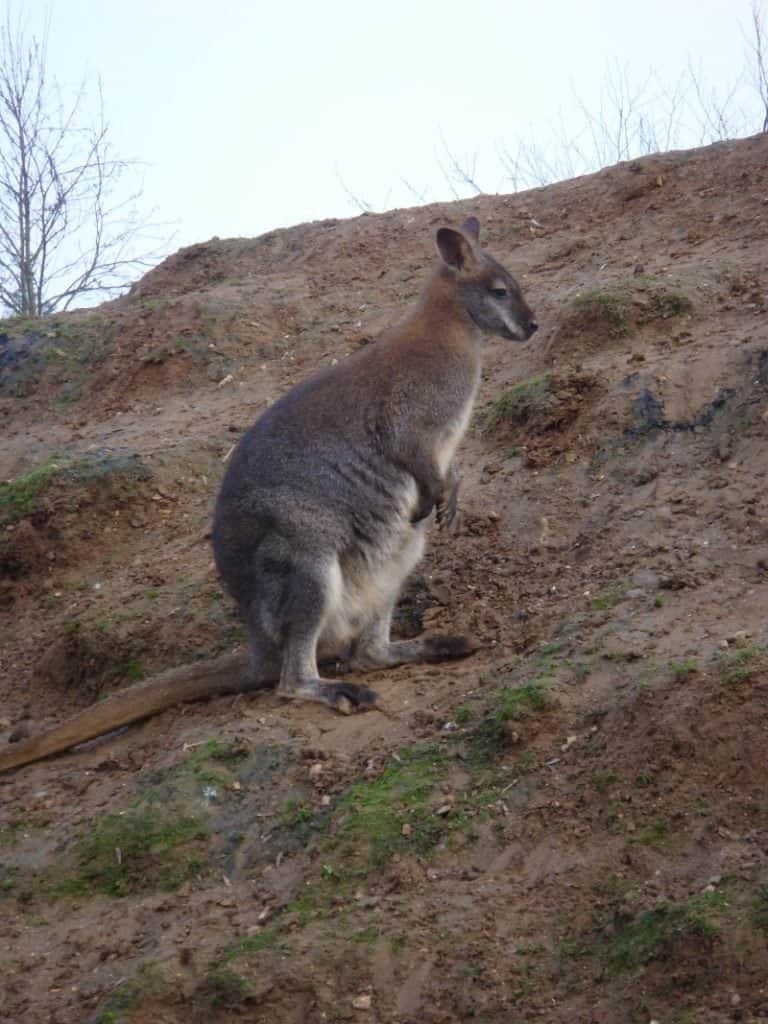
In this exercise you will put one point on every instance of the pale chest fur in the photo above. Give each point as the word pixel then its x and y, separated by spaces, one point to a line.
pixel 454 431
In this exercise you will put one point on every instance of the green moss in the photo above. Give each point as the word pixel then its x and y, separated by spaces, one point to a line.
pixel 490 737
pixel 374 811
pixel 608 307
pixel 141 848
pixel 20 498
pixel 652 933
pixel 517 404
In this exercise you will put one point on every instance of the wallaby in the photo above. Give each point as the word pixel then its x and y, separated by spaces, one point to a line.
pixel 323 509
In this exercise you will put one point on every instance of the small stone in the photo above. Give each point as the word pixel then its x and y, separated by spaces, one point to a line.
pixel 735 999
pixel 362 1002
pixel 406 830
pixel 443 810
pixel 739 637
pixel 21 732
pixel 315 771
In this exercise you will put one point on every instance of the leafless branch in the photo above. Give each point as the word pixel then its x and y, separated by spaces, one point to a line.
pixel 759 46
pixel 67 229
pixel 362 205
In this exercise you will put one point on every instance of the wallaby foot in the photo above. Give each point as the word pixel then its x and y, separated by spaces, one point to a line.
pixel 403 652
pixel 343 697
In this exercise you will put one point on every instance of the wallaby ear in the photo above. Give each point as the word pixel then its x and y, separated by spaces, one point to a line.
pixel 455 249
pixel 471 228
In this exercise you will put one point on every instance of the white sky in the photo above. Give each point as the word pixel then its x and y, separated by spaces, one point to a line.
pixel 246 112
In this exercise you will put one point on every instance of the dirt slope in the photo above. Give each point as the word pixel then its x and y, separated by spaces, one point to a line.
pixel 570 826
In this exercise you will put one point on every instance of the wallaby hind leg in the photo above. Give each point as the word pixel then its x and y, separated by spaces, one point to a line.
pixel 307 601
pixel 373 648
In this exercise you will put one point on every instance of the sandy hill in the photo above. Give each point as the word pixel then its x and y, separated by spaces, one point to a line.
pixel 570 826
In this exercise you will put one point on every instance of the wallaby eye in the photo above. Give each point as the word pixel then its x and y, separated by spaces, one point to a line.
pixel 499 293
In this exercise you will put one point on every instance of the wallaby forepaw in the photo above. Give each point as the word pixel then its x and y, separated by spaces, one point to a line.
pixel 443 648
pixel 445 510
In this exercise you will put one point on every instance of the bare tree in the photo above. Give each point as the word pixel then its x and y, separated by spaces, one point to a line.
pixel 760 50
pixel 67 227
pixel 456 173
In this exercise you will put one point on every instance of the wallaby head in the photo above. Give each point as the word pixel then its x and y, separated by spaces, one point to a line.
pixel 489 294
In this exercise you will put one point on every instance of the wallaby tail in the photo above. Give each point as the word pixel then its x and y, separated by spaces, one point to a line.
pixel 212 678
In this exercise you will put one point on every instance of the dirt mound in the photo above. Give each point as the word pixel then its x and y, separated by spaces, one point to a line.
pixel 571 824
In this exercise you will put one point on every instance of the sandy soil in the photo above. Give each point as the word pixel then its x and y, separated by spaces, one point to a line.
pixel 572 825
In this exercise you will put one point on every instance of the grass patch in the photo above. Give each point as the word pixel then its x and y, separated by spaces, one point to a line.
pixel 375 811
pixel 8 878
pixel 293 813
pixel 655 834
pixel 225 986
pixel 463 714
pixel 131 670
pixel 366 936
pixel 739 665
pixel 606 598
pixel 491 736
pixel 142 848
pixel 18 497
pixel 9 834
pixel 517 405
pixel 653 933
pixel 117 1009
pixel 681 670
pixel 607 307
pixel 603 779
pixel 659 302
pixel 760 908
pixel 213 762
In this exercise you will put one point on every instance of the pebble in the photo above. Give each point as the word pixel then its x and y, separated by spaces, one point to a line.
pixel 362 1002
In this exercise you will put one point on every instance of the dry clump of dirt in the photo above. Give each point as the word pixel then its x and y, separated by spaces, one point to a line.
pixel 570 825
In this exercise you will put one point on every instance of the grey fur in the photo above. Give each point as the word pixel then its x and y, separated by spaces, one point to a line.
pixel 324 506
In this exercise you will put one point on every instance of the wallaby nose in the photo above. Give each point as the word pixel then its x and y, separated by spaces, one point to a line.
pixel 533 326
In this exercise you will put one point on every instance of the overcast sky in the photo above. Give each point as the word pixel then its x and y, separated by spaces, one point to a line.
pixel 251 114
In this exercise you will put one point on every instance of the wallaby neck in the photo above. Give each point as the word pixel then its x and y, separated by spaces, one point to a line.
pixel 440 316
